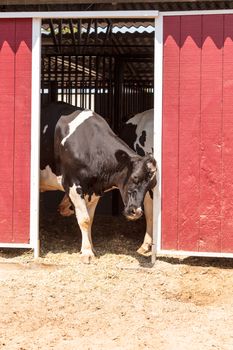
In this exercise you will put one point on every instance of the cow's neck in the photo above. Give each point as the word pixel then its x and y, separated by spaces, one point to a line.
pixel 120 173
pixel 117 177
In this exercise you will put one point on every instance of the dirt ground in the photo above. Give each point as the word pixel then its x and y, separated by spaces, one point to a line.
pixel 119 301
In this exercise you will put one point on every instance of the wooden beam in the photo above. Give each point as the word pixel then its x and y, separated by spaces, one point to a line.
pixel 88 31
pixel 53 35
pixel 60 32
pixel 112 2
pixel 72 33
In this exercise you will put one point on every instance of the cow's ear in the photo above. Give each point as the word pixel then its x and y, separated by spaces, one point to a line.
pixel 122 157
pixel 151 164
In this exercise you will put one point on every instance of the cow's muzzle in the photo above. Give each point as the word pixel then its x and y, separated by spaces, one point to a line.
pixel 133 213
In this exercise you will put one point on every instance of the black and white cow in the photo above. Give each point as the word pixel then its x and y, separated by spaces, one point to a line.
pixel 138 134
pixel 81 156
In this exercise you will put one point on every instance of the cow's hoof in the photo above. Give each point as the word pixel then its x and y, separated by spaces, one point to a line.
pixel 145 249
pixel 87 256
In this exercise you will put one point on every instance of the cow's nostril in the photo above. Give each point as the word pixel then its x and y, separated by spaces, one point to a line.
pixel 136 212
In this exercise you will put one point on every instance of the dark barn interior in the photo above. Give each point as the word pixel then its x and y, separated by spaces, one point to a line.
pixel 106 65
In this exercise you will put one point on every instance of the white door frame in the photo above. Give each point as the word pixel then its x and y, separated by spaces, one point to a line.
pixel 35 100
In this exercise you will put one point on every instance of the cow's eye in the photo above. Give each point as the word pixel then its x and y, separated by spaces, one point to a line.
pixel 135 179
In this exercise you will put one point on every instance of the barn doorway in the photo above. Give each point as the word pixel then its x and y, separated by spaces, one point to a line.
pixel 102 64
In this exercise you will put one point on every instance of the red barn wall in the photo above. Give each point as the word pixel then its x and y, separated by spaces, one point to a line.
pixel 15 117
pixel 197 148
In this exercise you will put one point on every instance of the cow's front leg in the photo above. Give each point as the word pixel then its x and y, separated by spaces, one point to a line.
pixel 91 206
pixel 84 213
pixel 147 242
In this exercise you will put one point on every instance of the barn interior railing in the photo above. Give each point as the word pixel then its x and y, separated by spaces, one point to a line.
pixel 105 65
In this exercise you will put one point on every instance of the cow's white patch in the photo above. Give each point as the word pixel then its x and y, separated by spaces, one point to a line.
pixel 45 129
pixel 81 117
pixel 49 181
pixel 84 210
pixel 144 122
pixel 78 201
pixel 83 218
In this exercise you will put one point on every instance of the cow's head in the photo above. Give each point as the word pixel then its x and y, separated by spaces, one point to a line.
pixel 139 176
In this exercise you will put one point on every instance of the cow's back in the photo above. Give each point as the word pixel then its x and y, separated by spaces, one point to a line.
pixel 85 148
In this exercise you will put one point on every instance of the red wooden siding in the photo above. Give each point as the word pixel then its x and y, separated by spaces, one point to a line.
pixel 170 132
pixel 15 115
pixel 227 139
pixel 197 184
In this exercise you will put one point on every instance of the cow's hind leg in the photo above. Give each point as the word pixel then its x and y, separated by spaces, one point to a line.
pixel 84 211
pixel 147 242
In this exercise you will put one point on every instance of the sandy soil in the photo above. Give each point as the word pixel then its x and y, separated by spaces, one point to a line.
pixel 119 301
